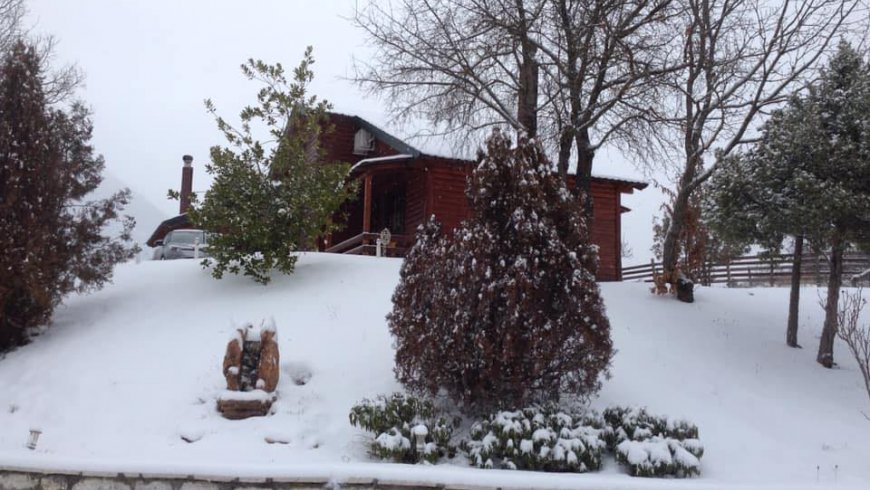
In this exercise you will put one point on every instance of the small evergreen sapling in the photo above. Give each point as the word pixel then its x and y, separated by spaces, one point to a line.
pixel 507 311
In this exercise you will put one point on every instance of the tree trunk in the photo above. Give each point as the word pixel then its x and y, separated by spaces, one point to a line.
pixel 585 155
pixel 671 245
pixel 527 103
pixel 794 298
pixel 565 141
pixel 835 280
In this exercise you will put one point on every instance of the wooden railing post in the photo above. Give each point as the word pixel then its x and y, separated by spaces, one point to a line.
pixel 367 206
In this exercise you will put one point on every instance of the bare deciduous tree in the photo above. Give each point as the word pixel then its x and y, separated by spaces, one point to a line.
pixel 854 334
pixel 11 14
pixel 58 83
pixel 742 58
pixel 574 73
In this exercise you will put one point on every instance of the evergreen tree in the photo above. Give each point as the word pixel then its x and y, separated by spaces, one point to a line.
pixel 808 177
pixel 507 312
pixel 52 236
pixel 271 200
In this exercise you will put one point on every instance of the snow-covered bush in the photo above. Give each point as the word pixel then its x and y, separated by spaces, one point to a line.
pixel 650 445
pixel 407 429
pixel 507 312
pixel 542 439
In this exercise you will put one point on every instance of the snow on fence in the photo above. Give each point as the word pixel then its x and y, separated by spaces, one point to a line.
pixel 770 270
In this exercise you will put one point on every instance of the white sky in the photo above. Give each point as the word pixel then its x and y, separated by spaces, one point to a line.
pixel 150 64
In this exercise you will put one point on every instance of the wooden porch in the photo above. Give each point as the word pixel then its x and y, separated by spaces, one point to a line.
pixel 382 204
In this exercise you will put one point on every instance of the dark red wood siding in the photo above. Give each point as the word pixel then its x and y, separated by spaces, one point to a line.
pixel 447 200
pixel 415 213
pixel 446 197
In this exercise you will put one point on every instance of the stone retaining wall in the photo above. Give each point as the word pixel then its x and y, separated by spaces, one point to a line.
pixel 34 480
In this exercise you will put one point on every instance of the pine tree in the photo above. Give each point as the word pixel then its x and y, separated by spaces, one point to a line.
pixel 507 312
pixel 268 201
pixel 52 236
pixel 808 177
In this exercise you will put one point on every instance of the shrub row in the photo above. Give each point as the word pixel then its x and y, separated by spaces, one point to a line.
pixel 410 430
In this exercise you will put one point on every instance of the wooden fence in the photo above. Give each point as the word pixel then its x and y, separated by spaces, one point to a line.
pixel 771 270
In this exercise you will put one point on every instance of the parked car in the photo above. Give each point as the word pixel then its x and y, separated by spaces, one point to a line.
pixel 182 244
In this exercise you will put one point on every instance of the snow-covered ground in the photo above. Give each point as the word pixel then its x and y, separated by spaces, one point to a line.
pixel 125 373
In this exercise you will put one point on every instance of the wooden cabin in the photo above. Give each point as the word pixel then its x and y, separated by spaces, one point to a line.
pixel 400 187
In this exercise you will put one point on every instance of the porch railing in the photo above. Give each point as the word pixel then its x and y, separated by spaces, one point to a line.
pixel 366 244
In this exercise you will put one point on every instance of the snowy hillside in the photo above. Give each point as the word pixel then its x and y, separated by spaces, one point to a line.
pixel 125 373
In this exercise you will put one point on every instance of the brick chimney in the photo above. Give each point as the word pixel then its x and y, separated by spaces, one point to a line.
pixel 186 183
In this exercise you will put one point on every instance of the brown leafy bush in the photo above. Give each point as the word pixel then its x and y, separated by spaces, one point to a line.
pixel 507 311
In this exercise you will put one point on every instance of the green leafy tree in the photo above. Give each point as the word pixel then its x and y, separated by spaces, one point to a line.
pixel 271 199
pixel 808 177
pixel 54 238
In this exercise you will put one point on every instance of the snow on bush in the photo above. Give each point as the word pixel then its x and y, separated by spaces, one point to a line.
pixel 550 439
pixel 506 312
pixel 650 445
pixel 542 439
pixel 407 429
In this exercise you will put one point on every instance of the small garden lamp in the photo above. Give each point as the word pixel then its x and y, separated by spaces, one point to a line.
pixel 420 432
pixel 34 438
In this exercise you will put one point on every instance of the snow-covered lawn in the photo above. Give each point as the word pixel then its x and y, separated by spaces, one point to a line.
pixel 125 373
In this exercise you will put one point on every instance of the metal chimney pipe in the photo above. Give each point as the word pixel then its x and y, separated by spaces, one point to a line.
pixel 186 183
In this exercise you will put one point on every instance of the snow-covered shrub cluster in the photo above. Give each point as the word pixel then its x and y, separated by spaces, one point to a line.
pixel 550 439
pixel 507 311
pixel 542 439
pixel 651 445
pixel 407 429
pixel 538 438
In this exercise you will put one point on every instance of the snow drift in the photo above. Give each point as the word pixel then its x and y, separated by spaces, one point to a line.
pixel 126 376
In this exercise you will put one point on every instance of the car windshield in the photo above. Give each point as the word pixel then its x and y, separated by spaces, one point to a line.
pixel 188 237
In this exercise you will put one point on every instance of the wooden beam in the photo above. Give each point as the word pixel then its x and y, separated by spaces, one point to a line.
pixel 367 203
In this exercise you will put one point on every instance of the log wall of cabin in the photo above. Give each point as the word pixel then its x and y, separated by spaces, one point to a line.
pixel 605 229
pixel 446 199
pixel 415 199
pixel 445 194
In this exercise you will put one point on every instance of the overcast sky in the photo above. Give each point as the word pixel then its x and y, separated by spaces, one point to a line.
pixel 149 65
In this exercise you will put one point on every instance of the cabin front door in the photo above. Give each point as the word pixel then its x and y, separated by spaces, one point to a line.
pixel 388 208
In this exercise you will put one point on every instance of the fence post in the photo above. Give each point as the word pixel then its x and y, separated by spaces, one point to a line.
pixel 652 268
pixel 818 270
pixel 771 271
pixel 728 273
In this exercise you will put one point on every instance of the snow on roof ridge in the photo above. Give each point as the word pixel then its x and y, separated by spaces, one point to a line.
pixel 388 158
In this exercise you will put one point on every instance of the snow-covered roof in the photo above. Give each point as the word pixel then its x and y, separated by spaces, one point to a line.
pixel 408 152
